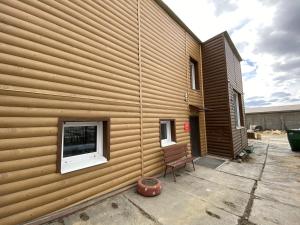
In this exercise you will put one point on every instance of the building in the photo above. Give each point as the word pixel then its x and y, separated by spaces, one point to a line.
pixel 223 92
pixel 274 117
pixel 90 92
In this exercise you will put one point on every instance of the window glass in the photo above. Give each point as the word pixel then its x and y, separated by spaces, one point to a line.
pixel 83 144
pixel 167 132
pixel 163 131
pixel 79 140
pixel 193 75
pixel 236 109
pixel 195 84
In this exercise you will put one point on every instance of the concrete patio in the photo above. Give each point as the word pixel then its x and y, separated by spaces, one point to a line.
pixel 264 190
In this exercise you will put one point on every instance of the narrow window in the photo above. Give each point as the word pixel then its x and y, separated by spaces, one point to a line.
pixel 83 144
pixel 167 132
pixel 237 103
pixel 194 74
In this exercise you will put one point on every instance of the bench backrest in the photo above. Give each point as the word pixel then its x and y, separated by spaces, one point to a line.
pixel 175 152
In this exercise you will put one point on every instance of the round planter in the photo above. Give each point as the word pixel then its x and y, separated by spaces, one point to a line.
pixel 149 186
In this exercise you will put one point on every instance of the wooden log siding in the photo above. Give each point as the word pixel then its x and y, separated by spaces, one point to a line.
pixel 219 139
pixel 222 75
pixel 65 60
pixel 166 49
pixel 239 135
pixel 125 60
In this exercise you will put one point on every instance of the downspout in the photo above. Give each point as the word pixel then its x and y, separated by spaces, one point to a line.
pixel 186 95
pixel 140 80
pixel 187 60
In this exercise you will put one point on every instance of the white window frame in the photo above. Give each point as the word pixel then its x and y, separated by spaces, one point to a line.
pixel 237 110
pixel 193 75
pixel 168 140
pixel 72 163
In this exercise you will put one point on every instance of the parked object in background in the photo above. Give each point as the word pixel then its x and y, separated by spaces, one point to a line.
pixel 294 139
pixel 258 128
pixel 149 186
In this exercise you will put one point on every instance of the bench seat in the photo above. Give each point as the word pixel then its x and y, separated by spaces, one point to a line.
pixel 180 162
pixel 176 156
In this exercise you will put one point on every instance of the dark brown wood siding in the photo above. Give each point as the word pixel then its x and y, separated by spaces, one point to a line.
pixel 218 129
pixel 235 83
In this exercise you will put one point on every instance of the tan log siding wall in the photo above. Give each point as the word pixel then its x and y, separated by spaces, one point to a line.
pixel 196 96
pixel 65 59
pixel 235 78
pixel 80 59
pixel 164 70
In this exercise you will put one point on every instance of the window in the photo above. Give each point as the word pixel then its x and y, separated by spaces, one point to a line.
pixel 167 132
pixel 194 74
pixel 237 103
pixel 82 144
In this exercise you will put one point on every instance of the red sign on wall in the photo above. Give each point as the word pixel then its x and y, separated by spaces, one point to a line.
pixel 186 127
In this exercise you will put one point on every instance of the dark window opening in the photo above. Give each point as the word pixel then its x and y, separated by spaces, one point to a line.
pixel 194 75
pixel 82 143
pixel 238 109
pixel 163 131
pixel 79 140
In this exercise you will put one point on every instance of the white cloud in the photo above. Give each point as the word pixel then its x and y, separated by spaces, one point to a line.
pixel 245 20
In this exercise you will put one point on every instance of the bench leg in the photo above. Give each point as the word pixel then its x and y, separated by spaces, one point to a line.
pixel 193 165
pixel 165 171
pixel 173 174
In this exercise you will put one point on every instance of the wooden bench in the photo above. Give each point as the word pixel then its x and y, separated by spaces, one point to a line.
pixel 176 156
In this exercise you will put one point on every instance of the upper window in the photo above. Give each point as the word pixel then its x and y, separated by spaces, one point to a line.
pixel 237 103
pixel 167 132
pixel 83 144
pixel 194 74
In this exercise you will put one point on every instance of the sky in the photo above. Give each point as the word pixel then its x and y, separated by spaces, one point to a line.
pixel 267 36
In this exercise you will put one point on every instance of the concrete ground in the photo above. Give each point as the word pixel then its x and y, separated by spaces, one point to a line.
pixel 264 190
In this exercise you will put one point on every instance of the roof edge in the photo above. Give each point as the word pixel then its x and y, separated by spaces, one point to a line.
pixel 177 19
pixel 230 42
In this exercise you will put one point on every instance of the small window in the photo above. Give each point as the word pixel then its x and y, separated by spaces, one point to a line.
pixel 194 74
pixel 82 144
pixel 237 103
pixel 167 132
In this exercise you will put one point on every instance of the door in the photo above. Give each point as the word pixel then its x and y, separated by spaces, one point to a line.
pixel 195 135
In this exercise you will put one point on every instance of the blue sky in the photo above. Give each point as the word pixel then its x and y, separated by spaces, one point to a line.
pixel 267 35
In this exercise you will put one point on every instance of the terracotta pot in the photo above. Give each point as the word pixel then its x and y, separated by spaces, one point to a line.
pixel 149 186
